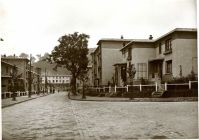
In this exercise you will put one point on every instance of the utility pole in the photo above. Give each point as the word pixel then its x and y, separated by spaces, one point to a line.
pixel 45 83
pixel 30 78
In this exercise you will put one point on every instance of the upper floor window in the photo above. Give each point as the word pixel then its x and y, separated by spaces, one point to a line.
pixel 6 70
pixel 160 48
pixel 129 54
pixel 124 53
pixel 168 45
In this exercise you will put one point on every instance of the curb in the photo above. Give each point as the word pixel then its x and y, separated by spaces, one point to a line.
pixel 21 101
pixel 133 100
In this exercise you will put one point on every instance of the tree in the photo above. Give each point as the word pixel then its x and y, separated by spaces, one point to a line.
pixel 84 78
pixel 39 56
pixel 44 57
pixel 33 59
pixel 24 55
pixel 72 54
pixel 14 81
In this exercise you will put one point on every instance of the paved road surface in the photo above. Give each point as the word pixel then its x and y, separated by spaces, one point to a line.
pixel 56 117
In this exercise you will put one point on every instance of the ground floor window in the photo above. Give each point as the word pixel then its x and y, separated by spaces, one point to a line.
pixel 141 70
pixel 169 66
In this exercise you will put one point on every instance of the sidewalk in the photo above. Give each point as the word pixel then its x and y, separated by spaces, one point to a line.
pixel 8 102
pixel 120 99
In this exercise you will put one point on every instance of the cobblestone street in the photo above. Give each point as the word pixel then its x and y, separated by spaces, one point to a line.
pixel 56 117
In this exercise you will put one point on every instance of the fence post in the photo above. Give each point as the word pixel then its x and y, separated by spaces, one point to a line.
pixel 115 89
pixel 165 86
pixel 127 88
pixel 189 84
pixel 156 86
pixel 140 88
pixel 104 89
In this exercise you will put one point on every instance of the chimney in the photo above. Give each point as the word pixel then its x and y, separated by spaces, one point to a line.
pixel 150 37
pixel 122 37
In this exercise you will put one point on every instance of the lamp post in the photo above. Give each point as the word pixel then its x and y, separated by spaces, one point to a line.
pixel 30 78
pixel 45 82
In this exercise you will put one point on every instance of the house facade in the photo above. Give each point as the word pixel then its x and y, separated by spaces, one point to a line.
pixel 56 82
pixel 104 57
pixel 23 69
pixel 171 55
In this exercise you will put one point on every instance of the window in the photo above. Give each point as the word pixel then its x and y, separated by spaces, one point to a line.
pixel 168 45
pixel 123 53
pixel 169 66
pixel 6 70
pixel 160 49
pixel 129 54
pixel 142 70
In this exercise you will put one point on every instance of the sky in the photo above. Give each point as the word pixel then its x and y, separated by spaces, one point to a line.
pixel 34 26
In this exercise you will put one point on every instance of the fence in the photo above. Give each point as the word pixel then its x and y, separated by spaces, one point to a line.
pixel 5 95
pixel 191 86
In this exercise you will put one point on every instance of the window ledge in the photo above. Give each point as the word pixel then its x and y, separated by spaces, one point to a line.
pixel 167 52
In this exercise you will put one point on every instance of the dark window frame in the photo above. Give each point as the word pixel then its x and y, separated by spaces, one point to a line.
pixel 142 70
pixel 160 48
pixel 169 67
pixel 129 53
pixel 168 45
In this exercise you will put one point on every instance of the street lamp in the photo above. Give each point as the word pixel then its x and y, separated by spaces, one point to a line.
pixel 30 79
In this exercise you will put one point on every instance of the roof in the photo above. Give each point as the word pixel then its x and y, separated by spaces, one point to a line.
pixel 152 41
pixel 6 63
pixel 15 58
pixel 138 40
pixel 177 30
pixel 113 40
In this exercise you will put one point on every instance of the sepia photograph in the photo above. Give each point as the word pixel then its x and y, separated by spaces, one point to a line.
pixel 98 69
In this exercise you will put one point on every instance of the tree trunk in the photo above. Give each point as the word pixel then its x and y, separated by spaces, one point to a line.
pixel 73 85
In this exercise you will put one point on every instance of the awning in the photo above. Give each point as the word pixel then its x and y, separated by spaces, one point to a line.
pixel 156 59
pixel 119 64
